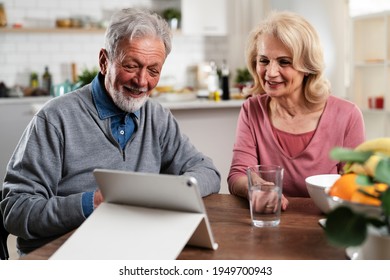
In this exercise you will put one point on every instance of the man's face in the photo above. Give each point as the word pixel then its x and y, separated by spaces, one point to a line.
pixel 131 76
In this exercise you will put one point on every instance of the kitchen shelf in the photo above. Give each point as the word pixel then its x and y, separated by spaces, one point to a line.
pixel 71 30
pixel 51 30
pixel 370 69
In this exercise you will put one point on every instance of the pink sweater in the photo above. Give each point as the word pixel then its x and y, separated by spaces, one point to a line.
pixel 341 124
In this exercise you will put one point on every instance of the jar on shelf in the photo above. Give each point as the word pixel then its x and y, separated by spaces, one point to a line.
pixel 34 83
pixel 376 102
pixel 3 16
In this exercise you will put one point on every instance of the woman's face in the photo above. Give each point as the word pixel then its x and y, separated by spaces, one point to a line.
pixel 134 73
pixel 274 68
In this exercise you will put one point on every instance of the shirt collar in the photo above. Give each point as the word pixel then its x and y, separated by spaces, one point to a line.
pixel 105 107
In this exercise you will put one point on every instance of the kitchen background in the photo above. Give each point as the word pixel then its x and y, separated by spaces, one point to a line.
pixel 41 45
pixel 23 51
pixel 209 30
pixel 38 44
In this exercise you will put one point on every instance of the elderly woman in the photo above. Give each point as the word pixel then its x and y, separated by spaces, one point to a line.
pixel 291 118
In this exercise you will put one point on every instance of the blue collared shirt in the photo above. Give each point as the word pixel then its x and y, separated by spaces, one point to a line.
pixel 123 125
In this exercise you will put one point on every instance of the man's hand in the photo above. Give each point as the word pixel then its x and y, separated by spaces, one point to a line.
pixel 97 199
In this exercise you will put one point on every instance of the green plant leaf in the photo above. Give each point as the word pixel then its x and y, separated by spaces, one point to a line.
pixel 382 171
pixel 349 155
pixel 171 13
pixel 385 198
pixel 345 228
pixel 87 76
pixel 375 222
pixel 243 75
pixel 364 180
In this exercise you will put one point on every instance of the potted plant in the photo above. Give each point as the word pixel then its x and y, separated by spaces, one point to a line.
pixel 173 16
pixel 86 76
pixel 361 216
pixel 243 78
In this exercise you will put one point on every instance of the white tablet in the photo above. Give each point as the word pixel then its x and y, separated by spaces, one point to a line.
pixel 160 191
pixel 144 216
pixel 150 190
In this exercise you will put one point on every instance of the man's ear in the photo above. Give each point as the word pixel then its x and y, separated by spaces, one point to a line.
pixel 103 61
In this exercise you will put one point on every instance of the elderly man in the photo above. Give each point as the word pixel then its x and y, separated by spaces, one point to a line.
pixel 111 123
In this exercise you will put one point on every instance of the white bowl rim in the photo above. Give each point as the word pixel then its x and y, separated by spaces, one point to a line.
pixel 323 175
pixel 309 180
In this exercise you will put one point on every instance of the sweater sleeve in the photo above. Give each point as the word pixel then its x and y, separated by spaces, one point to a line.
pixel 32 206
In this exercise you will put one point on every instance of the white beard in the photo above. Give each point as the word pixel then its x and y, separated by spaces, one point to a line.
pixel 128 104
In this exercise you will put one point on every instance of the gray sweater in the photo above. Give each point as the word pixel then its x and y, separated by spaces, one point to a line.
pixel 65 141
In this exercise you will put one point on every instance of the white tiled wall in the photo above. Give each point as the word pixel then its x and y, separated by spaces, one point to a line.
pixel 22 53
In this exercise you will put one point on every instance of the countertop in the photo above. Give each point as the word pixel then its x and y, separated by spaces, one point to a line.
pixel 37 103
pixel 203 104
pixel 24 100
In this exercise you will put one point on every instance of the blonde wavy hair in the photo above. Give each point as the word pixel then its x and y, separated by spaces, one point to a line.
pixel 302 40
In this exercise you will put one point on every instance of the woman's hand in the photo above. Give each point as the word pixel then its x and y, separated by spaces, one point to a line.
pixel 267 202
pixel 240 188
pixel 284 203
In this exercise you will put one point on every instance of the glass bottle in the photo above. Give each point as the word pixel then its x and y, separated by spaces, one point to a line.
pixel 46 81
pixel 213 81
pixel 225 81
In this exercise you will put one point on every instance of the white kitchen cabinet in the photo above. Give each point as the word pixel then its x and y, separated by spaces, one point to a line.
pixel 15 114
pixel 204 17
pixel 212 130
pixel 371 70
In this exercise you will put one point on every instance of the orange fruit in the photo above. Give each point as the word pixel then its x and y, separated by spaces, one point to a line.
pixel 345 186
pixel 381 187
pixel 362 198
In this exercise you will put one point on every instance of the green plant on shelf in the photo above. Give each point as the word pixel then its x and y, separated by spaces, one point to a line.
pixel 171 13
pixel 243 76
pixel 86 76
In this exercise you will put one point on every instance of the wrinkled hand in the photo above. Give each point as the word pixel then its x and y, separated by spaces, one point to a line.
pixel 264 202
pixel 267 202
pixel 97 198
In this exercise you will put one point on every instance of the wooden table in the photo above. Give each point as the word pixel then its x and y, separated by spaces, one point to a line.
pixel 298 236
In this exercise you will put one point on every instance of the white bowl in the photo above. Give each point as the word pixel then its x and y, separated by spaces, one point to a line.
pixel 316 186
